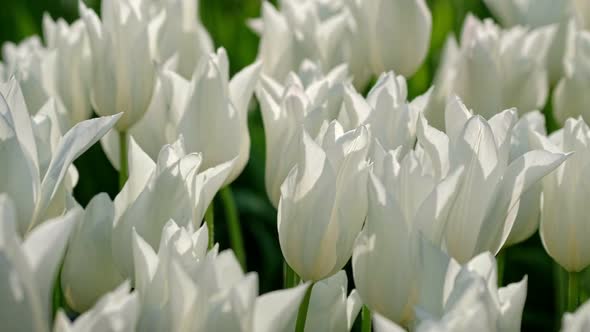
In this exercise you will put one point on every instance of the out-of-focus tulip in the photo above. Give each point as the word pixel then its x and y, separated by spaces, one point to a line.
pixel 210 112
pixel 29 268
pixel 529 208
pixel 123 73
pixel 563 225
pixel 323 202
pixel 32 65
pixel 570 98
pixel 486 206
pixel 578 321
pixel 396 32
pixel 71 72
pixel 116 311
pixel 532 13
pixel 180 37
pixel 302 30
pixel 175 187
pixel 36 161
pixel 88 270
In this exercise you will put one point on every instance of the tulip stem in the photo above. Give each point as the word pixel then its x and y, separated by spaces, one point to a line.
pixel 302 314
pixel 123 166
pixel 209 220
pixel 290 277
pixel 573 287
pixel 501 262
pixel 366 325
pixel 233 223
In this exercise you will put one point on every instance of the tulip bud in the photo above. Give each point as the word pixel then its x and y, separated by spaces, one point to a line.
pixel 72 71
pixel 323 203
pixel 577 321
pixel 88 270
pixel 563 223
pixel 123 71
pixel 398 33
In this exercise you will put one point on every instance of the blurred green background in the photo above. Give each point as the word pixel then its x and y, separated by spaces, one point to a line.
pixel 225 21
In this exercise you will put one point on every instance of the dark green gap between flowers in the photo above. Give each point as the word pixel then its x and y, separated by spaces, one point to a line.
pixel 226 22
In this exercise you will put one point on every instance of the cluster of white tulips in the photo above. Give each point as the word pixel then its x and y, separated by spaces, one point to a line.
pixel 418 195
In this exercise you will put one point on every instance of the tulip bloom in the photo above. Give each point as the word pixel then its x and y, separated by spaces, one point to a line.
pixel 563 225
pixel 577 321
pixel 71 72
pixel 123 75
pixel 323 202
pixel 29 268
pixel 117 311
pixel 37 160
pixel 484 210
pixel 175 187
pixel 88 270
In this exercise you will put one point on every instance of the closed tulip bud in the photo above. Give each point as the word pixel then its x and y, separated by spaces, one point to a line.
pixel 323 202
pixel 398 33
pixel 88 270
pixel 71 67
pixel 116 311
pixel 532 13
pixel 174 187
pixel 563 222
pixel 123 72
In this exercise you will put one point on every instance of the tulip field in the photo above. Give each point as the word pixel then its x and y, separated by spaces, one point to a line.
pixel 294 165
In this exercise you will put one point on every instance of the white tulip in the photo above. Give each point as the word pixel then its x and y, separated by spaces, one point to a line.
pixel 32 177
pixel 529 208
pixel 307 100
pixel 71 72
pixel 29 268
pixel 88 270
pixel 116 311
pixel 570 98
pixel 175 187
pixel 563 210
pixel 468 299
pixel 532 13
pixel 180 36
pixel 404 195
pixel 31 64
pixel 398 33
pixel 302 30
pixel 123 72
pixel 578 321
pixel 323 202
pixel 486 205
pixel 210 112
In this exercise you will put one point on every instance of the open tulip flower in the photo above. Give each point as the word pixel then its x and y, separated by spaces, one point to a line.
pixel 484 211
pixel 36 159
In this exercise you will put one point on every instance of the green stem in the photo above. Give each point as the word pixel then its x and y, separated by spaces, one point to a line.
pixel 291 279
pixel 123 166
pixel 366 325
pixel 209 220
pixel 560 292
pixel 501 263
pixel 302 314
pixel 233 224
pixel 573 290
